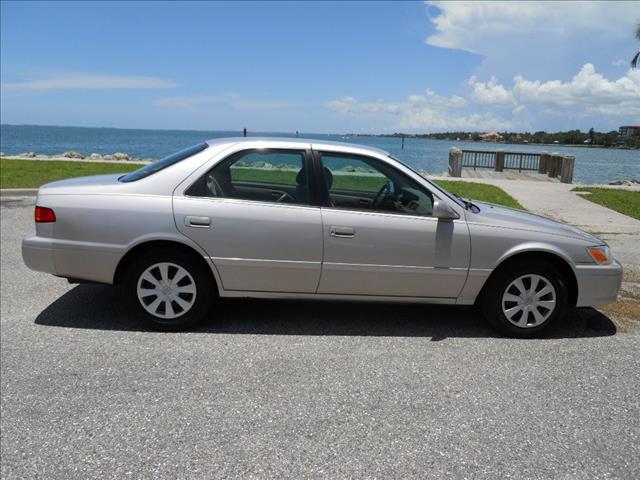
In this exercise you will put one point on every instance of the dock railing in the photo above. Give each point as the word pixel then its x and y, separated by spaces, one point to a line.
pixel 552 164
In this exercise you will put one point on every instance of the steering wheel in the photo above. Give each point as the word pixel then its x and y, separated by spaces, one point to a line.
pixel 382 194
pixel 284 197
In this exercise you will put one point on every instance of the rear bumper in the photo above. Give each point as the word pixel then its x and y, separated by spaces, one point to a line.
pixel 598 284
pixel 90 262
pixel 37 254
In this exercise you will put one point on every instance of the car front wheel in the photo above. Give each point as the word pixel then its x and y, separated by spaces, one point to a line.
pixel 524 299
pixel 172 290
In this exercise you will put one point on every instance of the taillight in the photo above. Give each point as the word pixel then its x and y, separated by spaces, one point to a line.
pixel 45 215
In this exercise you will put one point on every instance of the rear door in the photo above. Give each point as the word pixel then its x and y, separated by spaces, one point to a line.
pixel 380 237
pixel 252 214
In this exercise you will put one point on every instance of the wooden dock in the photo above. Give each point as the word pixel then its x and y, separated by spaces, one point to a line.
pixel 540 166
pixel 508 175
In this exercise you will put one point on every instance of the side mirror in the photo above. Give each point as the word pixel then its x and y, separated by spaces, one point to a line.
pixel 443 211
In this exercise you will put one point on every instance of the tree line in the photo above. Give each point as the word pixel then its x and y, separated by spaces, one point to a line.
pixel 570 137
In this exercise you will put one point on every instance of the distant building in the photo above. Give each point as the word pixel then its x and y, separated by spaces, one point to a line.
pixel 491 137
pixel 628 129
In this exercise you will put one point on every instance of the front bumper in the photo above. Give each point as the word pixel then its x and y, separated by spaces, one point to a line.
pixel 37 253
pixel 598 284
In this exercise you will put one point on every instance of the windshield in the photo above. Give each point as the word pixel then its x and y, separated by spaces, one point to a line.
pixel 450 195
pixel 163 163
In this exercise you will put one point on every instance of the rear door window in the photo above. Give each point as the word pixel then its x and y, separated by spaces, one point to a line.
pixel 260 175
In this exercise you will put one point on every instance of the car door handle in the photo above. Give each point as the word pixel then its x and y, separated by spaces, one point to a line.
pixel 342 232
pixel 197 222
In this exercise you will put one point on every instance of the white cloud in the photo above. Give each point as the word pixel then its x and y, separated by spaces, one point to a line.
pixel 477 26
pixel 352 105
pixel 587 92
pixel 621 63
pixel 429 101
pixel 431 98
pixel 434 119
pixel 426 111
pixel 519 109
pixel 588 89
pixel 88 81
pixel 231 99
pixel 540 40
pixel 490 93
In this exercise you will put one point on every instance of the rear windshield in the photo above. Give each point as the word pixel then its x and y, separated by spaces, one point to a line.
pixel 163 163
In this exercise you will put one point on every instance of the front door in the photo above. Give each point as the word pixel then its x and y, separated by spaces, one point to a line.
pixel 380 237
pixel 251 213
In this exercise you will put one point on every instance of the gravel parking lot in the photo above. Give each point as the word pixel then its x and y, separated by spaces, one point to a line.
pixel 302 389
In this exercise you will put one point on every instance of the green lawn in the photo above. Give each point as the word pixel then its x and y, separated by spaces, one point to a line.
pixel 623 201
pixel 480 192
pixel 33 173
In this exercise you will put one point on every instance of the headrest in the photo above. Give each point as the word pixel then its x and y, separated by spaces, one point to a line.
pixel 301 178
pixel 328 178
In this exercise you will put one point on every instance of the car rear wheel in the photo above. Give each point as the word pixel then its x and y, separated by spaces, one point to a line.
pixel 172 290
pixel 524 299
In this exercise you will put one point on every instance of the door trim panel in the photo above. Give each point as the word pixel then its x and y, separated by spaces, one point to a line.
pixel 236 271
pixel 409 280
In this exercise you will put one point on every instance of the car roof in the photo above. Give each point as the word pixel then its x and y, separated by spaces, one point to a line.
pixel 292 142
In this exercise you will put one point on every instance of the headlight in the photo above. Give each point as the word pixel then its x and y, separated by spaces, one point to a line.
pixel 601 254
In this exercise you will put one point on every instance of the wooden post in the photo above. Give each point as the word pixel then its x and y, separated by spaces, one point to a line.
pixel 553 169
pixel 499 165
pixel 455 162
pixel 543 164
pixel 566 175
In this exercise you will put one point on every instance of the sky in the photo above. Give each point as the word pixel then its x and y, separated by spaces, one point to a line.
pixel 321 67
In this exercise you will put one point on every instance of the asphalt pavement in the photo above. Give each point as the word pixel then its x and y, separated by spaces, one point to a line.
pixel 275 389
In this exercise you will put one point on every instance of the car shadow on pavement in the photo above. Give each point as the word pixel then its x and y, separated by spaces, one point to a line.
pixel 102 307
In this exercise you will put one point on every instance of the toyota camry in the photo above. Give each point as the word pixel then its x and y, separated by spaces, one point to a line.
pixel 289 218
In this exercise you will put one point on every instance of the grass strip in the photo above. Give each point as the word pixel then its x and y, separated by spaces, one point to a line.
pixel 626 202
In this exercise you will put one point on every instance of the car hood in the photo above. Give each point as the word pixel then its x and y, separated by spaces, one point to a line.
pixel 512 218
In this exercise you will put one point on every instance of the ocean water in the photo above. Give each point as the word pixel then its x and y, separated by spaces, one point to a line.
pixel 593 165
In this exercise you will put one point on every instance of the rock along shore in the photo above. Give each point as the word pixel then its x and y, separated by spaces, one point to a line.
pixel 73 155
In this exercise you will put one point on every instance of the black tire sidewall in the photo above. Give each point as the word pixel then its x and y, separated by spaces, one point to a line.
pixel 205 288
pixel 492 302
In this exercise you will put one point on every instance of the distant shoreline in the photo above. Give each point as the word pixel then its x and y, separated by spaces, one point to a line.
pixel 407 136
pixel 482 142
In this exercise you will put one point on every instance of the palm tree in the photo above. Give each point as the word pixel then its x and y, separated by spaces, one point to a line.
pixel 636 57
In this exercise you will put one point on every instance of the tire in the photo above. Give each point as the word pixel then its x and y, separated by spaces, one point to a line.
pixel 516 310
pixel 171 290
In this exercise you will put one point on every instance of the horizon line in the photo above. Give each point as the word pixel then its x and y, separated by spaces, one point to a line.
pixel 293 133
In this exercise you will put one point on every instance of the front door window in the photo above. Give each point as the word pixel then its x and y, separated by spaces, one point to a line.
pixel 363 183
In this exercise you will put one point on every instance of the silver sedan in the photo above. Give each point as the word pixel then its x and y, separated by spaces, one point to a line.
pixel 280 218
